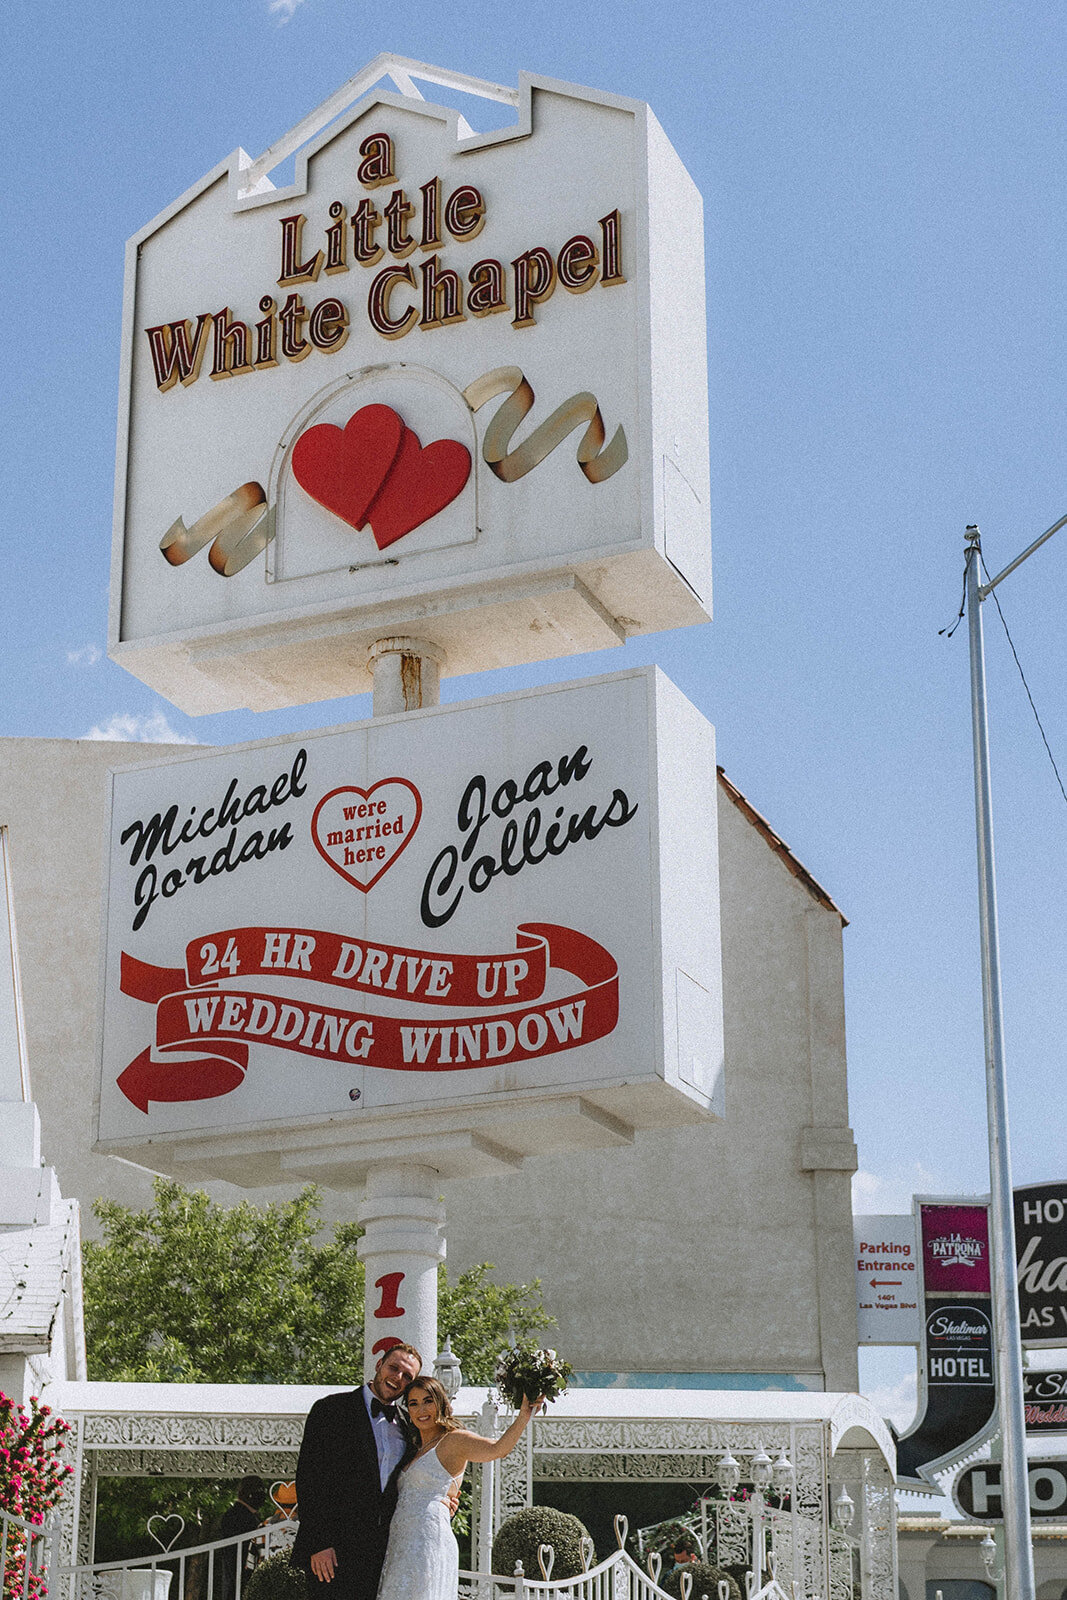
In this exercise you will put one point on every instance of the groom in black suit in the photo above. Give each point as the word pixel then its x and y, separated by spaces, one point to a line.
pixel 346 1479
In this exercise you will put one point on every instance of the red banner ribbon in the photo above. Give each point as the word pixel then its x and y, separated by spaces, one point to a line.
pixel 194 1015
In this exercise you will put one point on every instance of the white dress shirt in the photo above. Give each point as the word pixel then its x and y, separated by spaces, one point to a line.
pixel 389 1438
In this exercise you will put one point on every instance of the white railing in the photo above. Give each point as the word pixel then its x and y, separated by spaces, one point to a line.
pixel 27 1557
pixel 617 1578
pixel 218 1570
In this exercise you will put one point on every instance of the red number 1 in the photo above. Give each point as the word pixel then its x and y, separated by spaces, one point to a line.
pixel 390 1287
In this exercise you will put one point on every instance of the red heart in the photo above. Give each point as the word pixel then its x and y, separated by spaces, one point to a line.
pixel 344 468
pixel 420 483
pixel 360 837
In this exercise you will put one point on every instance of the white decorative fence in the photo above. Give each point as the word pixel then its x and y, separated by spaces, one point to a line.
pixel 218 1570
pixel 617 1578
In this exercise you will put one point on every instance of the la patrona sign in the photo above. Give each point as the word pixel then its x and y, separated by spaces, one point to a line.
pixel 445 913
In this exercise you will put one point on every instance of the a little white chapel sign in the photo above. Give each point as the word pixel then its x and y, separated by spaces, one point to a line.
pixel 442 384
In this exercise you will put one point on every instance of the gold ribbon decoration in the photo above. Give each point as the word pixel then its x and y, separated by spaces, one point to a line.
pixel 596 461
pixel 238 529
pixel 242 525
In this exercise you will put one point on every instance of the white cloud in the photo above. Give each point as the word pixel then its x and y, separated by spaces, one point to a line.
pixel 874 1193
pixel 126 728
pixel 283 9
pixel 87 656
pixel 895 1401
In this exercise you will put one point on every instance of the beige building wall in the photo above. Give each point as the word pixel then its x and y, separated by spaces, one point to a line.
pixel 720 1249
pixel 725 1248
pixel 934 1553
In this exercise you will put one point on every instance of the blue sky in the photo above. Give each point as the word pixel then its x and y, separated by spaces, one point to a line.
pixel 886 241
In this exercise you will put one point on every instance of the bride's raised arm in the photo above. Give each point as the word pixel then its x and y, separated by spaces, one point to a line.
pixel 461 1446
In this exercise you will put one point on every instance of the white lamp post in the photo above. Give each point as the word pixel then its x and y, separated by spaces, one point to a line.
pixel 762 1469
pixel 844 1510
pixel 994 1567
pixel 447 1370
pixel 763 1474
pixel 729 1474
pixel 782 1472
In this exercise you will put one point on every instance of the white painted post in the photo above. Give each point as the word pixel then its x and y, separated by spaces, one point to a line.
pixel 404 1242
pixel 486 1425
pixel 407 675
pixel 401 1251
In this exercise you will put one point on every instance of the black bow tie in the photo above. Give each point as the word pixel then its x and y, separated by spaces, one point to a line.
pixel 382 1408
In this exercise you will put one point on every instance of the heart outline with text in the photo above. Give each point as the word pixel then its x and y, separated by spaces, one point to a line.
pixel 365 795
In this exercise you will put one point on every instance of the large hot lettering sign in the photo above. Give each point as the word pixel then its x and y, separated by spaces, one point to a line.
pixel 1041 1247
pixel 204 1033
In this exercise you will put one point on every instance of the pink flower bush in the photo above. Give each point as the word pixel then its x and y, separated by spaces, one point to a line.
pixel 32 1476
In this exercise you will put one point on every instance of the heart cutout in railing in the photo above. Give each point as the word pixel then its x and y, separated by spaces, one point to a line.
pixel 165 1522
pixel 655 1566
pixel 724 1589
pixel 588 1551
pixel 622 1528
pixel 283 1496
pixel 546 1560
pixel 685 1584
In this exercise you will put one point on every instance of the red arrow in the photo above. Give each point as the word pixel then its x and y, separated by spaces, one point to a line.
pixel 202 1078
pixel 885 1280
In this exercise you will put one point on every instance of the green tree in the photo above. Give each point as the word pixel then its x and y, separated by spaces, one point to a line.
pixel 193 1292
pixel 481 1317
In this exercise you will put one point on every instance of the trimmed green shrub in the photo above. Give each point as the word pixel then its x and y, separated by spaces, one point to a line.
pixel 705 1581
pixel 521 1535
pixel 276 1579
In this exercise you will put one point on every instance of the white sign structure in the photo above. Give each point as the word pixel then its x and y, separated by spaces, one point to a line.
pixel 888 1279
pixel 456 937
pixel 441 385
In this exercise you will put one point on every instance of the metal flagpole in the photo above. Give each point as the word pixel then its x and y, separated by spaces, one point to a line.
pixel 1015 1497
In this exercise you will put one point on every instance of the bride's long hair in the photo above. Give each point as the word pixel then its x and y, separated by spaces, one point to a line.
pixel 440 1399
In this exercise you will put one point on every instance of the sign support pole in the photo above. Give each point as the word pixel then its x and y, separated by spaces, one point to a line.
pixel 404 1239
pixel 401 1251
pixel 1018 1550
pixel 407 675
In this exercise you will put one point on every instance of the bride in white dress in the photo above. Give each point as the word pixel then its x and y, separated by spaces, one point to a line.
pixel 422 1561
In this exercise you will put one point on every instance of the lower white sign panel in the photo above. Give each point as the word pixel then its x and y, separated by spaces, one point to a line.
pixel 499 919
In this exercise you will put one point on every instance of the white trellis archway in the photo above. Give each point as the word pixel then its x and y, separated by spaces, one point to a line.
pixel 662 1436
pixel 602 1436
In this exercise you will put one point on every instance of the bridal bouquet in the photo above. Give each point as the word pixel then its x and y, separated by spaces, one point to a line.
pixel 533 1374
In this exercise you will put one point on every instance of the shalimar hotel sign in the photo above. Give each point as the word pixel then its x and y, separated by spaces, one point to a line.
pixel 441 384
